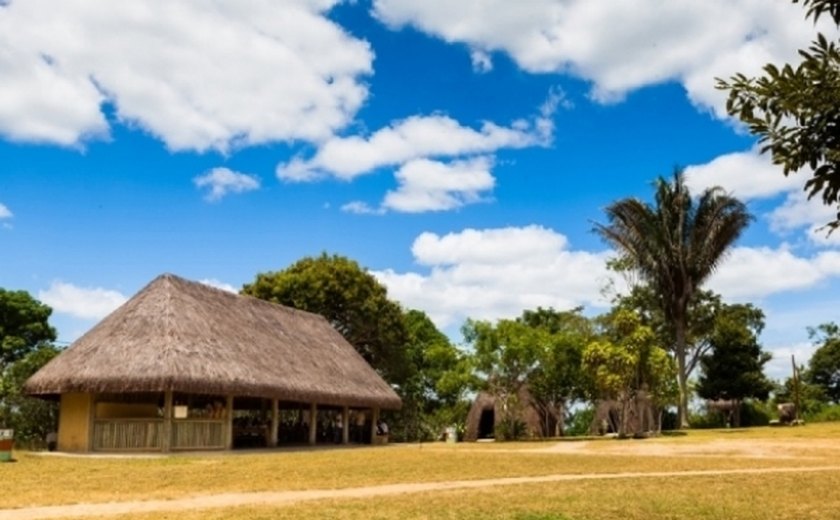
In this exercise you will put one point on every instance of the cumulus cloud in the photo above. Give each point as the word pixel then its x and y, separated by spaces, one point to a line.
pixel 196 75
pixel 495 273
pixel 756 272
pixel 440 163
pixel 751 175
pixel 426 185
pixel 746 175
pixel 81 302
pixel 5 212
pixel 222 181
pixel 414 138
pixel 621 45
pixel 213 282
pixel 498 273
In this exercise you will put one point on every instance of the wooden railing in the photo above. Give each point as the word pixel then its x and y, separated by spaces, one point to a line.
pixel 127 434
pixel 191 434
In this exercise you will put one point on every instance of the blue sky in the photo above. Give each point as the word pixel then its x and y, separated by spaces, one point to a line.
pixel 460 151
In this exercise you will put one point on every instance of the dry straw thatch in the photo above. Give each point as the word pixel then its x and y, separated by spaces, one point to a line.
pixel 184 336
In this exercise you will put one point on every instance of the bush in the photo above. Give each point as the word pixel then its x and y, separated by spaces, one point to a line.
pixel 579 422
pixel 828 413
pixel 510 429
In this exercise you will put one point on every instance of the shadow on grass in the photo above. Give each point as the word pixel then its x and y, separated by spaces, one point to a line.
pixel 673 433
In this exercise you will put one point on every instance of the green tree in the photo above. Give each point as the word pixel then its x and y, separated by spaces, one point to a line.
pixel 433 395
pixel 674 245
pixel 824 366
pixel 351 299
pixel 558 378
pixel 25 346
pixel 795 110
pixel 734 368
pixel 627 360
pixel 505 356
pixel 31 418
pixel 24 325
pixel 702 310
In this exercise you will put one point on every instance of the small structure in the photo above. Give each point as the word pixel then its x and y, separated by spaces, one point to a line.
pixel 184 366
pixel 638 416
pixel 486 413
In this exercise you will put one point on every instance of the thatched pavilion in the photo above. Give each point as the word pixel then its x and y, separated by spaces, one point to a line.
pixel 185 366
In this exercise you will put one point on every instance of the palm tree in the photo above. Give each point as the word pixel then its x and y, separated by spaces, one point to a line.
pixel 674 245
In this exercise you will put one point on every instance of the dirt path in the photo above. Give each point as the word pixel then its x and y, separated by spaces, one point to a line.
pixel 281 498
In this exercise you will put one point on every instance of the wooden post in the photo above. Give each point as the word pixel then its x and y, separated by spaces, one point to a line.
pixel 166 435
pixel 795 388
pixel 345 425
pixel 229 425
pixel 91 402
pixel 374 420
pixel 275 424
pixel 313 422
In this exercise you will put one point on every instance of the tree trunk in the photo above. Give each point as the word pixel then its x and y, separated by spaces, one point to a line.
pixel 561 418
pixel 682 376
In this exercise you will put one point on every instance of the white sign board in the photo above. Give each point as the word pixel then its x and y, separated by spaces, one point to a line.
pixel 6 435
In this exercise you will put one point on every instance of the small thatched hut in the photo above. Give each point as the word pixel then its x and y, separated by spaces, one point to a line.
pixel 185 366
pixel 486 413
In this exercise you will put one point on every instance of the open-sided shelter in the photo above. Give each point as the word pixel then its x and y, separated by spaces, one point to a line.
pixel 182 365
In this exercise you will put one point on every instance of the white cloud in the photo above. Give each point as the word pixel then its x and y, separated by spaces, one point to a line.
pixel 361 208
pixel 481 61
pixel 81 302
pixel 5 212
pixel 426 185
pixel 749 273
pixel 746 175
pixel 798 212
pixel 197 75
pixel 222 181
pixel 409 139
pixel 779 367
pixel 750 175
pixel 213 282
pixel 620 45
pixel 495 273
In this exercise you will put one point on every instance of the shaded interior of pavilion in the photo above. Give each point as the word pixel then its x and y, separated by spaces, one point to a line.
pixel 173 421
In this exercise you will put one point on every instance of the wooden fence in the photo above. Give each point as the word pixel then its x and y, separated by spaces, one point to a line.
pixel 147 435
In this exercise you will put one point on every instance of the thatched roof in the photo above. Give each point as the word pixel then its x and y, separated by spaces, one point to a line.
pixel 187 337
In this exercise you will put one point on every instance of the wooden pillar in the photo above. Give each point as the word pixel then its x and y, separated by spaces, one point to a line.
pixel 229 425
pixel 91 402
pixel 313 422
pixel 345 425
pixel 275 424
pixel 166 434
pixel 374 420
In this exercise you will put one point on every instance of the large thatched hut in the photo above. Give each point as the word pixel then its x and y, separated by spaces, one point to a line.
pixel 185 366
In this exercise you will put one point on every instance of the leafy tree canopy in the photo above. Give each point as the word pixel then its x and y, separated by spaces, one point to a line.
pixel 795 110
pixel 351 299
pixel 24 325
pixel 824 366
pixel 25 346
pixel 733 369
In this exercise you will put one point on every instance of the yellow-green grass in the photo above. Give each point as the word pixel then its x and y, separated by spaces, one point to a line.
pixel 731 497
pixel 48 480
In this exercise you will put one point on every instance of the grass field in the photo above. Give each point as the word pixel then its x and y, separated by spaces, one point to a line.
pixel 37 480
